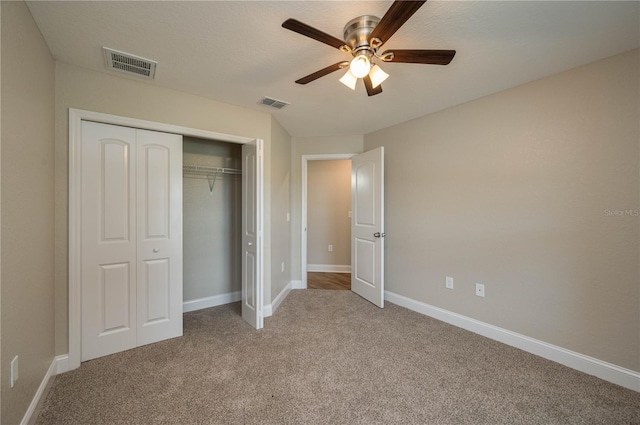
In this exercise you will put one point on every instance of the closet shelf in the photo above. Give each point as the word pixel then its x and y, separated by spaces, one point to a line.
pixel 202 170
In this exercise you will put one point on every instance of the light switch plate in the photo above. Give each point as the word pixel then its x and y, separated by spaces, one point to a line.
pixel 448 282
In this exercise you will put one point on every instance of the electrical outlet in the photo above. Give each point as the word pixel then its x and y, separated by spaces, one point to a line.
pixel 480 289
pixel 14 371
pixel 288 216
pixel 282 267
pixel 448 282
pixel 330 248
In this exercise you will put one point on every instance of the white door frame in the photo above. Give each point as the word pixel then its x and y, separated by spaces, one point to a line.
pixel 76 116
pixel 303 207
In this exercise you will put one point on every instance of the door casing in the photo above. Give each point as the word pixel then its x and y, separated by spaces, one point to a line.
pixel 76 116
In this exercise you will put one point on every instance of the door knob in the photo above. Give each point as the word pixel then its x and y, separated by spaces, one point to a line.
pixel 379 235
pixel 156 249
pixel 250 243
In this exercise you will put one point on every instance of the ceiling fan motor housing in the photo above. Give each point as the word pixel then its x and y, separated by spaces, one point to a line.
pixel 357 32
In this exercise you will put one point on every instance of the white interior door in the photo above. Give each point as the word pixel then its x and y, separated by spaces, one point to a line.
pixel 159 236
pixel 131 226
pixel 252 233
pixel 367 225
pixel 108 307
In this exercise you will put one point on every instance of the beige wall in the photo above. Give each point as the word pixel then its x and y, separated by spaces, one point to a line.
pixel 311 146
pixel 27 208
pixel 212 223
pixel 100 92
pixel 514 191
pixel 280 158
pixel 328 206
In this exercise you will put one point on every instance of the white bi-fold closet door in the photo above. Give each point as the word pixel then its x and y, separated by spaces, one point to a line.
pixel 131 238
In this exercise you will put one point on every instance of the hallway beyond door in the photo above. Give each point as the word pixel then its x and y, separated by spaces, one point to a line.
pixel 329 281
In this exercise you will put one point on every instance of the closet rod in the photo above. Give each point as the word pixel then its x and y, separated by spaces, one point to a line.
pixel 202 170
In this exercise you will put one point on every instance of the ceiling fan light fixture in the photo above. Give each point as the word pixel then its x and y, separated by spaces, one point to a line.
pixel 377 76
pixel 360 66
pixel 349 80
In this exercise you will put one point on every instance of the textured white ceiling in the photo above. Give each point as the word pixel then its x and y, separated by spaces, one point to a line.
pixel 236 51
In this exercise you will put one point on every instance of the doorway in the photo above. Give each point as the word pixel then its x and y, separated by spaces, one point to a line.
pixel 326 221
pixel 329 224
pixel 367 222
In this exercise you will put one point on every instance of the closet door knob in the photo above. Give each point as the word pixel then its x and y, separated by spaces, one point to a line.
pixel 156 249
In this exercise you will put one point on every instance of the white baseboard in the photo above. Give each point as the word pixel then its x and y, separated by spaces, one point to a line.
pixel 592 366
pixel 269 309
pixel 62 364
pixel 54 369
pixel 328 268
pixel 297 284
pixel 216 300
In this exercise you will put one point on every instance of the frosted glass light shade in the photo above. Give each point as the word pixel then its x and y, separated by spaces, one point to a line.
pixel 377 76
pixel 360 66
pixel 349 80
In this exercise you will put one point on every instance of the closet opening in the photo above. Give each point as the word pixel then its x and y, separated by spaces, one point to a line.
pixel 212 226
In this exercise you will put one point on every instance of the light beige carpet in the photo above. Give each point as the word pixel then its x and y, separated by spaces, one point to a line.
pixel 331 357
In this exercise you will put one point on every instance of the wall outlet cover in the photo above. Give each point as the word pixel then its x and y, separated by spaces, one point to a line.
pixel 448 282
pixel 480 289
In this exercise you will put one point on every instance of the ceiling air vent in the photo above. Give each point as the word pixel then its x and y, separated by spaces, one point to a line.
pixel 273 103
pixel 131 64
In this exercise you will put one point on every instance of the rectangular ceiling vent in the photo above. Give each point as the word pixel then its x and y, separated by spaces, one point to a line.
pixel 273 103
pixel 131 64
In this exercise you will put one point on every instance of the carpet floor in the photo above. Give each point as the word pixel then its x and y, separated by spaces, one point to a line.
pixel 329 357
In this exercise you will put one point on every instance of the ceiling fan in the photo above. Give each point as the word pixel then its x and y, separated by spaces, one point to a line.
pixel 364 36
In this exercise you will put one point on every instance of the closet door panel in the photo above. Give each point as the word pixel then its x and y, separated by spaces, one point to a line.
pixel 156 203
pixel 159 220
pixel 251 234
pixel 115 289
pixel 115 201
pixel 156 290
pixel 108 240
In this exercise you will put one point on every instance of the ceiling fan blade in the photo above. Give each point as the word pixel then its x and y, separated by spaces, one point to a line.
pixel 324 71
pixel 433 57
pixel 399 12
pixel 370 90
pixel 306 30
